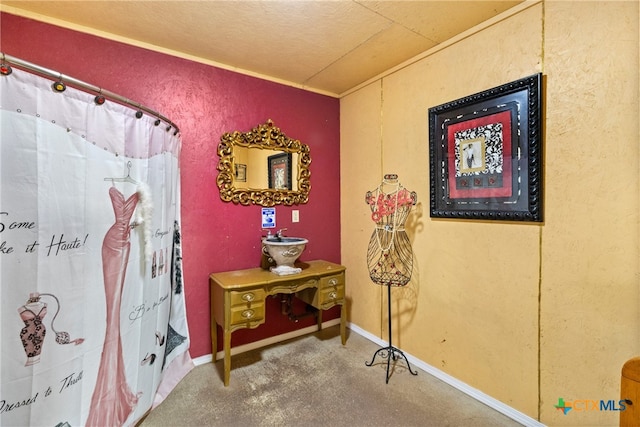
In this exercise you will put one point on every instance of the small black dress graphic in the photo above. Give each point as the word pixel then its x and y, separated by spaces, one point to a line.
pixel 32 334
pixel 34 331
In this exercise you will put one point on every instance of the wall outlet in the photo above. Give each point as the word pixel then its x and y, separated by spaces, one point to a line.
pixel 295 216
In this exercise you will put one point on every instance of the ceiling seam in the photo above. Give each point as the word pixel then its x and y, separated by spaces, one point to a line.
pixel 345 55
pixel 444 45
pixel 397 23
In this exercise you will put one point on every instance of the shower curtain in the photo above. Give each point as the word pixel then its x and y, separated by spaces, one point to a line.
pixel 92 308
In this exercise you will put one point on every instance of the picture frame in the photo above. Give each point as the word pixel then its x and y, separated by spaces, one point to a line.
pixel 485 154
pixel 240 172
pixel 279 169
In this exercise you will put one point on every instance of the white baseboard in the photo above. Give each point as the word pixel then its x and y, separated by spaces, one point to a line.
pixel 495 404
pixel 457 384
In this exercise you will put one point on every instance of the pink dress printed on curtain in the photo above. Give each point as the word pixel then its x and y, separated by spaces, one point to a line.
pixel 113 401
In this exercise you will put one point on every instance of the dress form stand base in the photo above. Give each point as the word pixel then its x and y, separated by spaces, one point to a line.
pixel 390 352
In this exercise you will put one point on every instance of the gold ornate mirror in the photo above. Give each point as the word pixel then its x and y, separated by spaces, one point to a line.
pixel 263 167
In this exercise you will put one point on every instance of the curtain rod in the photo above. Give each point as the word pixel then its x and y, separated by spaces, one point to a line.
pixel 4 58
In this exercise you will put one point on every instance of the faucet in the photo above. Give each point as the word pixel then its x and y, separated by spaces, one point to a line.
pixel 279 233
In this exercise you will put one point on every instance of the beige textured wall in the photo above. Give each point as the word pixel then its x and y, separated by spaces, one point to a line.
pixel 590 257
pixel 360 157
pixel 526 313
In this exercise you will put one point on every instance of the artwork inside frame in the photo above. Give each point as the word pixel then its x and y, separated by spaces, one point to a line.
pixel 240 172
pixel 485 154
pixel 279 169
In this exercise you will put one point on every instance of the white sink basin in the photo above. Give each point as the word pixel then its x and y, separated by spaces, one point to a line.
pixel 284 251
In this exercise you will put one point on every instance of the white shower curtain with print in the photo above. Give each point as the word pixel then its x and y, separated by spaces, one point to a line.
pixel 92 306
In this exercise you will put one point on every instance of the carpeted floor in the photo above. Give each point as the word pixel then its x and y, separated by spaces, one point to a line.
pixel 314 380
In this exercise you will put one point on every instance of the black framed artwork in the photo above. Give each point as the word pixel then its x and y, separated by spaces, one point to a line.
pixel 279 169
pixel 485 154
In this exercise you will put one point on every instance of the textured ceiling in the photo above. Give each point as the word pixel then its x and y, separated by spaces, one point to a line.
pixel 324 46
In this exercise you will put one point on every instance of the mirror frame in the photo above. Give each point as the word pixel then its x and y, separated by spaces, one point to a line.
pixel 269 137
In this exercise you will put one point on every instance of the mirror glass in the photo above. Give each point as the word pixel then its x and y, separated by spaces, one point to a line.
pixel 263 167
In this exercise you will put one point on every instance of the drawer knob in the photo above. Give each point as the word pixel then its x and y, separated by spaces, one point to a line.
pixel 248 314
pixel 333 295
pixel 248 297
pixel 333 281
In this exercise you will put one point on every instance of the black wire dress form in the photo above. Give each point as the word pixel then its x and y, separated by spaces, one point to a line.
pixel 390 256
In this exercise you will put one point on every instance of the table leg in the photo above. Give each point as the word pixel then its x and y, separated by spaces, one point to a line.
pixel 319 319
pixel 214 339
pixel 227 356
pixel 343 323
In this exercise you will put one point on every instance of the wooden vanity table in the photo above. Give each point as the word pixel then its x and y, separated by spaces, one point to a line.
pixel 238 298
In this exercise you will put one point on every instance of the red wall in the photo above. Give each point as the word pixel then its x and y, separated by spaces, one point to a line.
pixel 205 102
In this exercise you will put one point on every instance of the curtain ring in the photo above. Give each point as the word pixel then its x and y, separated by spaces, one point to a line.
pixel 59 86
pixel 99 99
pixel 5 69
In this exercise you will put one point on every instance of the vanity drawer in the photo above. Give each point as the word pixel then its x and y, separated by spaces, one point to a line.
pixel 331 281
pixel 292 285
pixel 329 296
pixel 241 315
pixel 247 297
pixel 323 298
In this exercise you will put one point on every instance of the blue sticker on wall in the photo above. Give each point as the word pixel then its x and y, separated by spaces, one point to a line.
pixel 268 217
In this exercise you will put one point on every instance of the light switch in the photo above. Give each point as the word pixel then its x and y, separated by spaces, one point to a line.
pixel 295 216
